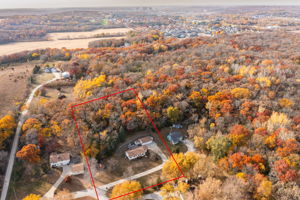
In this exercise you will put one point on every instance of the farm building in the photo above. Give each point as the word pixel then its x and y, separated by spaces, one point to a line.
pixel 136 152
pixel 58 160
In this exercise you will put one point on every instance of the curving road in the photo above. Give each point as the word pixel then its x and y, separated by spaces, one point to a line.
pixel 17 136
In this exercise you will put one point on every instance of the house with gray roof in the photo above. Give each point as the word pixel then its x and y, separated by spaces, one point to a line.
pixel 175 137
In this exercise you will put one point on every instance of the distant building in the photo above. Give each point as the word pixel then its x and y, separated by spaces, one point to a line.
pixel 136 152
pixel 175 137
pixel 144 140
pixel 77 169
pixel 58 160
pixel 47 70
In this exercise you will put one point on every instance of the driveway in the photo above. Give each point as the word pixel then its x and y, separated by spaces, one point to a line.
pixel 153 147
pixel 189 144
pixel 152 196
pixel 66 172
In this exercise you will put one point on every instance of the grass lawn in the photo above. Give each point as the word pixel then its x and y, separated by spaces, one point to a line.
pixel 124 168
pixel 174 148
pixel 22 185
pixel 75 184
pixel 42 78
pixel 149 180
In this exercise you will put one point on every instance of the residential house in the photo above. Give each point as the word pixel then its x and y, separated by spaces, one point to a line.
pixel 59 160
pixel 136 152
pixel 175 137
pixel 144 140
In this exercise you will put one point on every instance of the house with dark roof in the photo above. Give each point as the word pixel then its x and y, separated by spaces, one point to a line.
pixel 175 137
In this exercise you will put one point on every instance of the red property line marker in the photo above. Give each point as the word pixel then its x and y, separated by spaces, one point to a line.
pixel 147 187
pixel 86 157
pixel 152 122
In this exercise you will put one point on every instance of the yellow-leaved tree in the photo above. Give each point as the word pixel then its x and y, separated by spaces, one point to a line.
pixel 32 197
pixel 241 93
pixel 185 161
pixel 127 187
pixel 7 126
pixel 84 88
pixel 277 120
pixel 174 191
pixel 173 114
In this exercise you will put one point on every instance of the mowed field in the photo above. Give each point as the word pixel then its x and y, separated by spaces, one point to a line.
pixel 13 86
pixel 11 48
pixel 16 47
pixel 74 35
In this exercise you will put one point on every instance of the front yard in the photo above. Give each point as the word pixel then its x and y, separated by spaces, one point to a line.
pixel 21 184
pixel 118 167
pixel 180 147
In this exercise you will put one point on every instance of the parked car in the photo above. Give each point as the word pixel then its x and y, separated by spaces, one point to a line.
pixel 131 145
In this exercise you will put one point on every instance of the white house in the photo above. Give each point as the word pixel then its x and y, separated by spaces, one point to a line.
pixel 144 140
pixel 59 160
pixel 136 152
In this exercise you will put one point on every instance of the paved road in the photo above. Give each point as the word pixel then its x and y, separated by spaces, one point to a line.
pixel 17 136
pixel 152 196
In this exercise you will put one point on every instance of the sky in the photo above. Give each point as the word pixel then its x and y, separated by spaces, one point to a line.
pixel 99 3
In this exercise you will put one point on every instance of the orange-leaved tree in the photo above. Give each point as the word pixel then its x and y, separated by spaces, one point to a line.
pixel 29 153
pixel 238 134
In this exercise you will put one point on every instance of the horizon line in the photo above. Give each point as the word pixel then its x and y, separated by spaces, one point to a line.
pixel 139 6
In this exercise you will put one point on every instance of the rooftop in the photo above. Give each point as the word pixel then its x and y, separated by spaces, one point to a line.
pixel 137 151
pixel 55 157
pixel 175 137
pixel 146 139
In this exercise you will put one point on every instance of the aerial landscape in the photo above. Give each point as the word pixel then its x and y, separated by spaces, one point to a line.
pixel 135 100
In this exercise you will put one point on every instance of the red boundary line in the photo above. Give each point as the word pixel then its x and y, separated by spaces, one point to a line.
pixel 152 122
